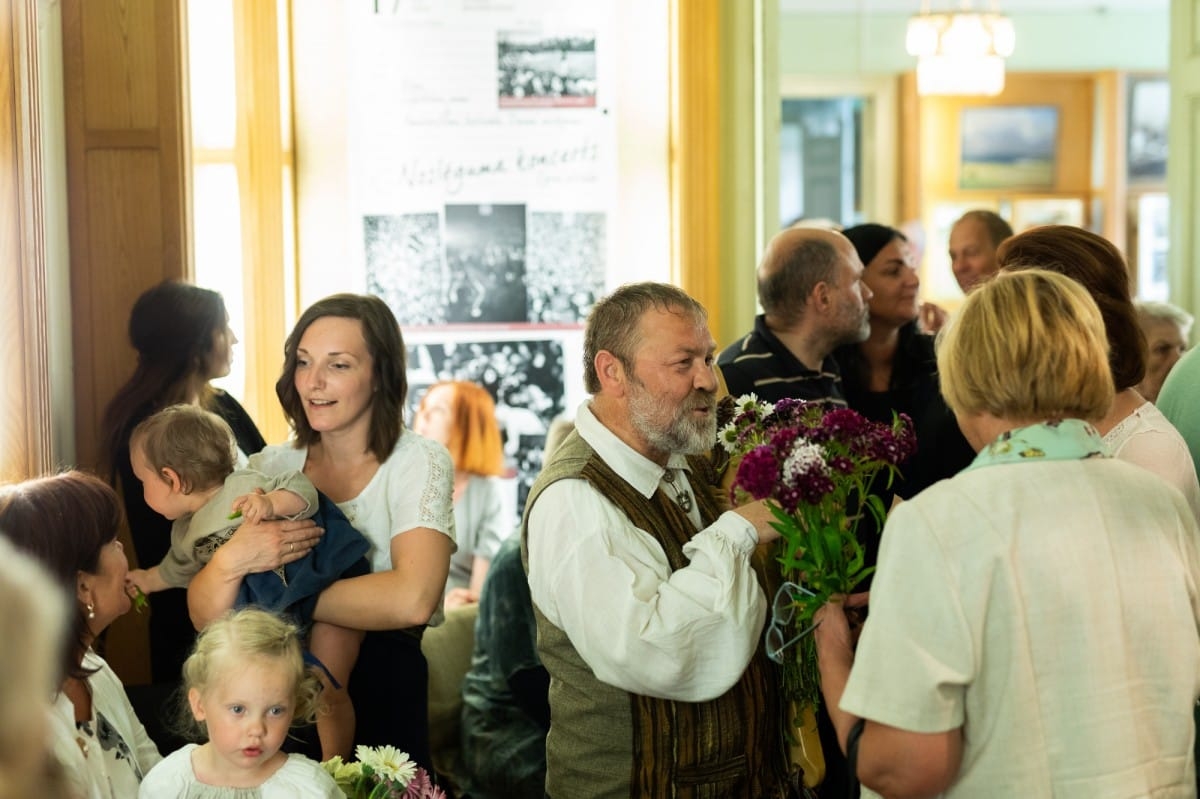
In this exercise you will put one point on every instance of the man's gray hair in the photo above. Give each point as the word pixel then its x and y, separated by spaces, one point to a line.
pixel 613 324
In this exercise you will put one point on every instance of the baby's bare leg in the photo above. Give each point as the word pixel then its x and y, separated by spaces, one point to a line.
pixel 337 648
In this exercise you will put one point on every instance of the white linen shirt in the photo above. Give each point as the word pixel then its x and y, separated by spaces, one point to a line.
pixel 1050 609
pixel 685 635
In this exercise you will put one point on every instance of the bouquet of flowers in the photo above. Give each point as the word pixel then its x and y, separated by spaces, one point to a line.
pixel 382 773
pixel 815 467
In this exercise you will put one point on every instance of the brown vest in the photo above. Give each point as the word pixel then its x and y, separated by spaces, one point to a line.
pixel 606 742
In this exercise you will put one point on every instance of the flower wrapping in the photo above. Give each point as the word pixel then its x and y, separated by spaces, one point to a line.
pixel 815 467
pixel 382 772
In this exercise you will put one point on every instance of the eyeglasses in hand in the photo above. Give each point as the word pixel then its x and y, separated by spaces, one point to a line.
pixel 783 610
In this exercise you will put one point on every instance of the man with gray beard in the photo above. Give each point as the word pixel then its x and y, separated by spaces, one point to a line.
pixel 646 589
pixel 814 301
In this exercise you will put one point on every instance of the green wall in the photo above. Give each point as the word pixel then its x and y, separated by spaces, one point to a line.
pixel 844 44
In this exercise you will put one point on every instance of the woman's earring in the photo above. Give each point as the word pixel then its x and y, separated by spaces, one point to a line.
pixel 91 610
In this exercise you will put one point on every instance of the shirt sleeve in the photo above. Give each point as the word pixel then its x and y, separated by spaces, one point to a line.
pixel 494 526
pixel 1165 453
pixel 420 488
pixel 685 635
pixel 916 619
pixel 179 565
pixel 297 483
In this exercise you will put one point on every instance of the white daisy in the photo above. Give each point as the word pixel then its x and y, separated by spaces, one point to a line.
pixel 388 762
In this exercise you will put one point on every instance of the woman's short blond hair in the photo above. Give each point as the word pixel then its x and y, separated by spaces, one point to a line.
pixel 1027 345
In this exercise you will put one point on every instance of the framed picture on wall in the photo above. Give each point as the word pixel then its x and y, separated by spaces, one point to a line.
pixel 1146 126
pixel 1008 147
pixel 1030 212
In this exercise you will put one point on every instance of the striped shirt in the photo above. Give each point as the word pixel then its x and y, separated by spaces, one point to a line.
pixel 760 363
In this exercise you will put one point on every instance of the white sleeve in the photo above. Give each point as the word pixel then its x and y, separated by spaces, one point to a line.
pixel 1165 453
pixel 916 619
pixel 494 526
pixel 685 636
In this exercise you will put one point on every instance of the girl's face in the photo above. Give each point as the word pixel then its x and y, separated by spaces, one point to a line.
pixel 433 417
pixel 335 376
pixel 247 710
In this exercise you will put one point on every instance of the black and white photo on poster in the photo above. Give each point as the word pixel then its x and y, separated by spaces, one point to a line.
pixel 539 70
pixel 405 267
pixel 485 264
pixel 566 266
pixel 525 376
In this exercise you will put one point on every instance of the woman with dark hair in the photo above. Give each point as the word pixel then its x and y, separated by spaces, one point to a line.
pixel 343 390
pixel 461 416
pixel 1134 429
pixel 69 523
pixel 183 340
pixel 895 369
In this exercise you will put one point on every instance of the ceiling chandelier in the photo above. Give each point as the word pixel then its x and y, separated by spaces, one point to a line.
pixel 960 52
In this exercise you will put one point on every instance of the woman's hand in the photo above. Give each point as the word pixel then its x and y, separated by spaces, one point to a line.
pixel 267 544
pixel 838 624
pixel 254 547
pixel 458 597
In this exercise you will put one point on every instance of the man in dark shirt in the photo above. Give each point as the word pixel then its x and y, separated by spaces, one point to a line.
pixel 813 299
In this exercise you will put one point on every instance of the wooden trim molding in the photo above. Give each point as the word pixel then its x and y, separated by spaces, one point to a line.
pixel 695 151
pixel 261 158
pixel 25 428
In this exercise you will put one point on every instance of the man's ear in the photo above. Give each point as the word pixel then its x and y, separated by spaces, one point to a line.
pixel 821 296
pixel 611 372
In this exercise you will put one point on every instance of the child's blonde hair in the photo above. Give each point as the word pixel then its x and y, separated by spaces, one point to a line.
pixel 196 444
pixel 239 635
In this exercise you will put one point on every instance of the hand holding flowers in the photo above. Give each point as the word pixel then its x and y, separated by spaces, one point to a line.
pixel 815 467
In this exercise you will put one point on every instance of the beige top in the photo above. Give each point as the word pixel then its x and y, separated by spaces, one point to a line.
pixel 1051 610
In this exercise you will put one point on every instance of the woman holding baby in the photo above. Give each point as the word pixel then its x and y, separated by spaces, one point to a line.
pixel 343 389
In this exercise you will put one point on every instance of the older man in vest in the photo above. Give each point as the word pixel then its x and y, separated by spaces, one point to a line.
pixel 649 606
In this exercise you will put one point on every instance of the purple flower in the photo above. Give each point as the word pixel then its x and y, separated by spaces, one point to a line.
pixel 841 464
pixel 814 486
pixel 758 473
pixel 789 498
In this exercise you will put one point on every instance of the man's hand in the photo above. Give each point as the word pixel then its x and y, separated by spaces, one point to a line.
pixel 759 514
pixel 931 318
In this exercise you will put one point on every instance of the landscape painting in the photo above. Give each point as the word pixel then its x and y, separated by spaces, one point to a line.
pixel 1008 147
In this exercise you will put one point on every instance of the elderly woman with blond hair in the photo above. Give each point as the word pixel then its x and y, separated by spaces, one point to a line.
pixel 1033 626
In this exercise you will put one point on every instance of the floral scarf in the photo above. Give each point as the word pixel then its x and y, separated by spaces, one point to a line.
pixel 1062 440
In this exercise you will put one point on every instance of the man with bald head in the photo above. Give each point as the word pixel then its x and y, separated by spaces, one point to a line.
pixel 813 299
